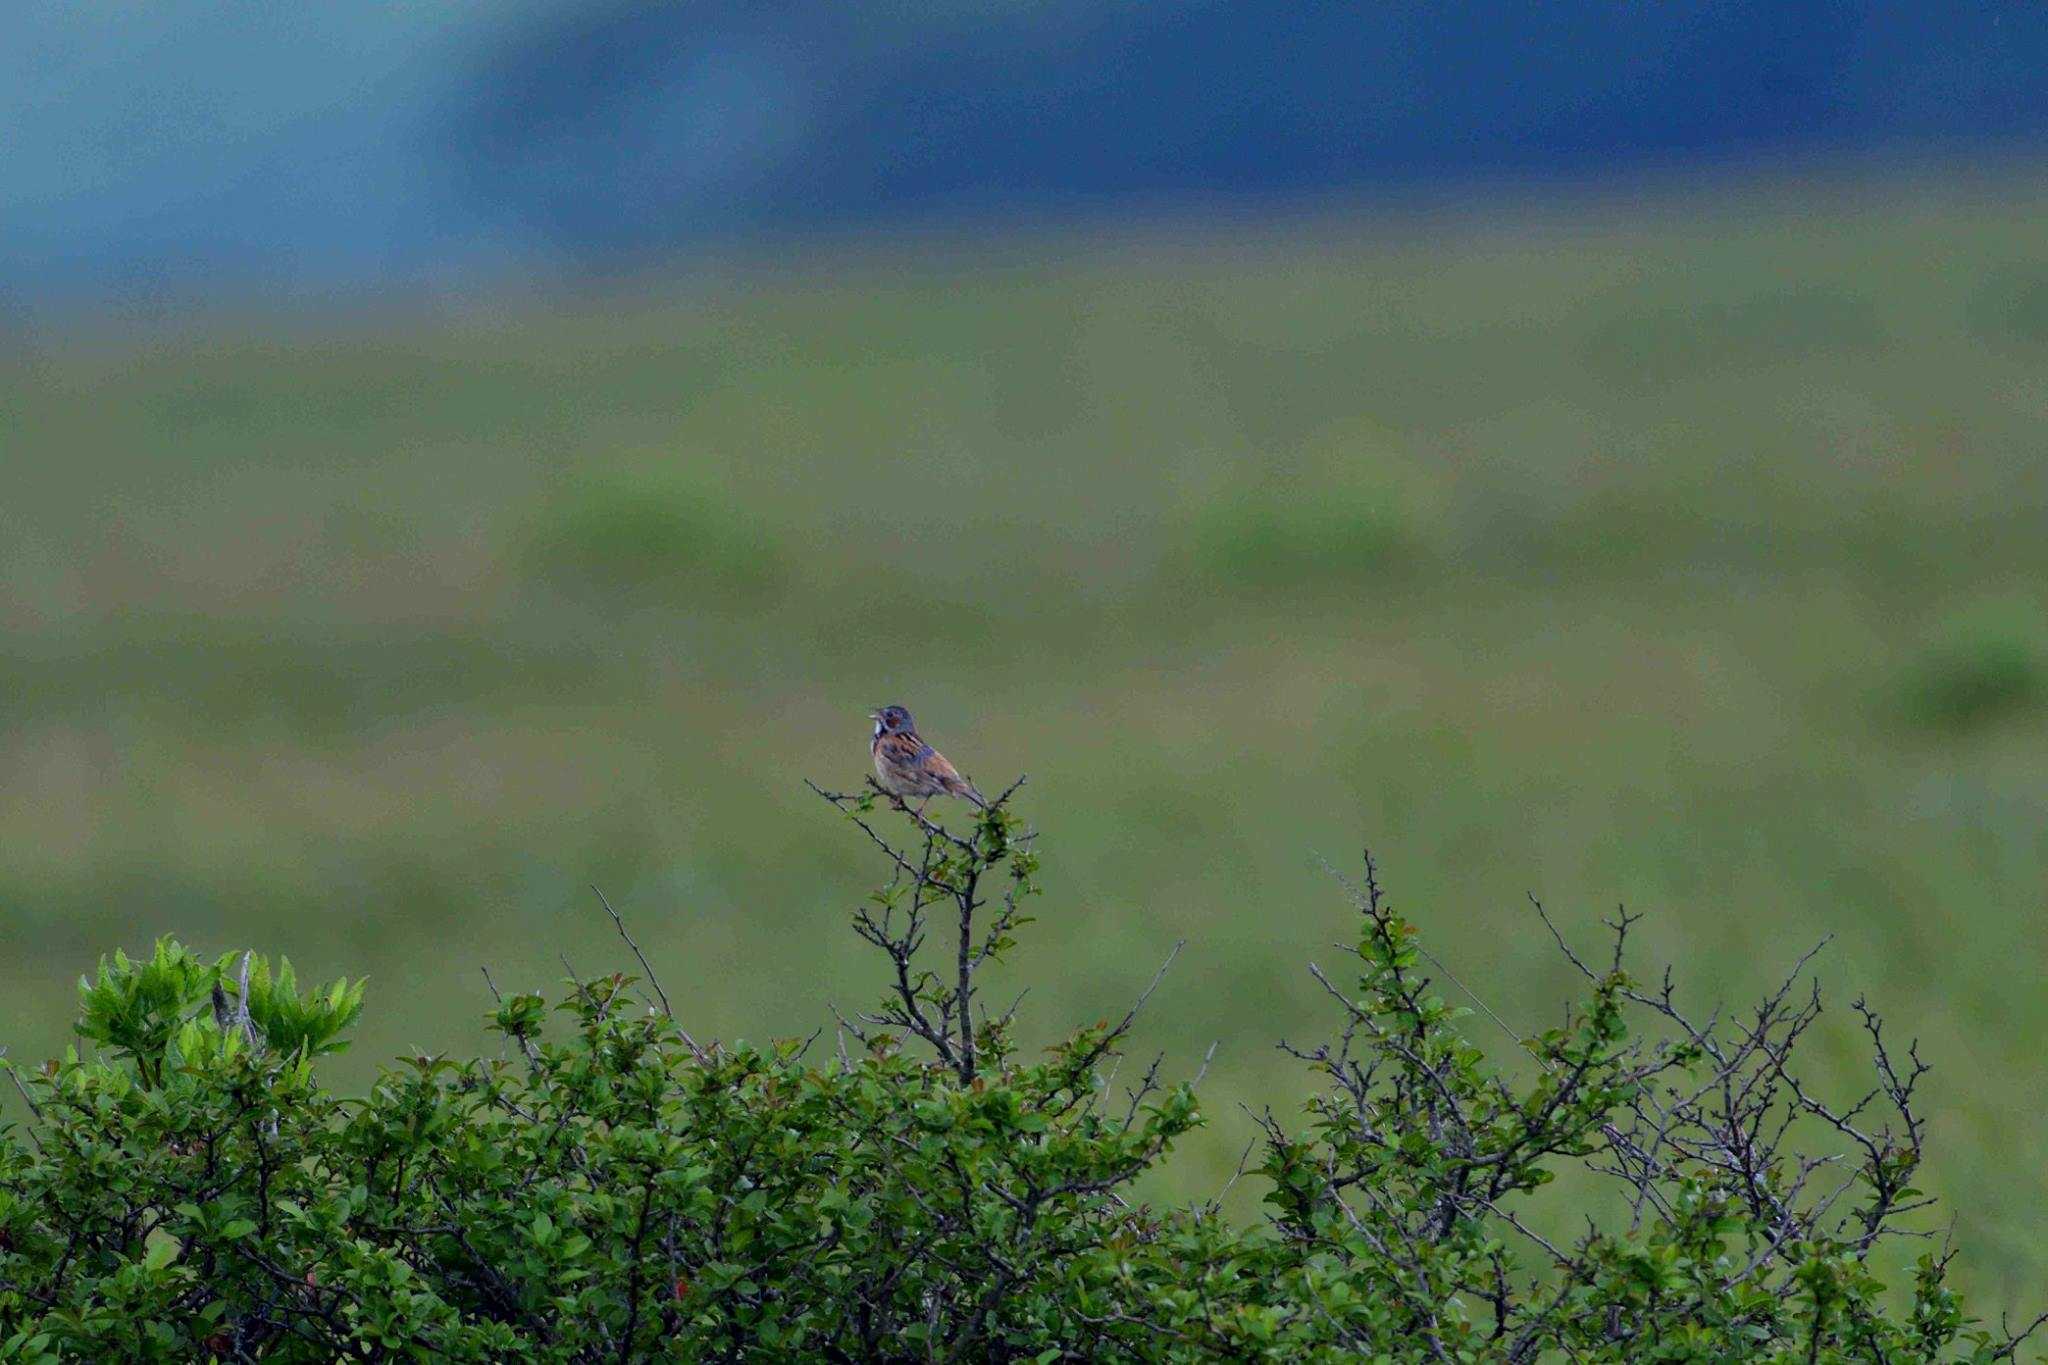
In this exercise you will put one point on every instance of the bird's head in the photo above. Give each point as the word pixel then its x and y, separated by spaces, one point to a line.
pixel 891 720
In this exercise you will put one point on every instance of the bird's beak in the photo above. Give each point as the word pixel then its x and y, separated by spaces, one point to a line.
pixel 874 715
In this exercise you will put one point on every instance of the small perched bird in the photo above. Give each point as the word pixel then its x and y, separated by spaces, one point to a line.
pixel 908 767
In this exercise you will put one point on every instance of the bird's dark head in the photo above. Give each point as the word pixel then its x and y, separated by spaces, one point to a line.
pixel 892 720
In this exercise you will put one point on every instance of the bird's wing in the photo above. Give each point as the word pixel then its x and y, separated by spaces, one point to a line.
pixel 948 776
pixel 904 750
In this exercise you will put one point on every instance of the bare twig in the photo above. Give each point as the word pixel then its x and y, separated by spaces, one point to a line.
pixel 645 966
pixel 653 980
pixel 22 1090
pixel 947 870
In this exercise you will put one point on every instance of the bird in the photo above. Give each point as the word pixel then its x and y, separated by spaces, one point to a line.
pixel 908 767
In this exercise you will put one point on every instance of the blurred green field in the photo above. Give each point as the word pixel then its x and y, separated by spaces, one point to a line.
pixel 1684 552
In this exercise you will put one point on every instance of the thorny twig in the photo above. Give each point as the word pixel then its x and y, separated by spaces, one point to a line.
pixel 946 872
pixel 667 1010
pixel 1714 1100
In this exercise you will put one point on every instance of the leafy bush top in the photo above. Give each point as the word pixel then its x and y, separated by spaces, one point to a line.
pixel 612 1190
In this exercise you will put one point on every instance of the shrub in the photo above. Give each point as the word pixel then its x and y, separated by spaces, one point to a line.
pixel 2011 308
pixel 1981 664
pixel 1656 346
pixel 1286 539
pixel 613 1190
pixel 634 538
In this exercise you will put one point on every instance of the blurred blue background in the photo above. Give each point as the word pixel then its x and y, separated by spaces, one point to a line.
pixel 193 144
pixel 454 454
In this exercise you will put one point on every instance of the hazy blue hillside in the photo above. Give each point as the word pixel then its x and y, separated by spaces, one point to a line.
pixel 305 148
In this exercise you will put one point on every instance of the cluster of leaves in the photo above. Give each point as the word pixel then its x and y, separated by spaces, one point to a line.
pixel 610 1189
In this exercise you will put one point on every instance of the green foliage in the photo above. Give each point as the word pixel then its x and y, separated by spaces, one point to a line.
pixel 144 1012
pixel 1666 346
pixel 612 1190
pixel 1268 540
pixel 640 537
pixel 2011 308
pixel 1984 662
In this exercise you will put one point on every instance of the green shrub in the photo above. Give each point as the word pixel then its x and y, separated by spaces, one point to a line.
pixel 1980 664
pixel 1280 542
pixel 1656 346
pixel 612 1190
pixel 628 537
pixel 2011 308
pixel 1338 528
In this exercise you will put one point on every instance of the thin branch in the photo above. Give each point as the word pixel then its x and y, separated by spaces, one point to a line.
pixel 1485 1008
pixel 667 1010
pixel 645 966
pixel 15 1076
